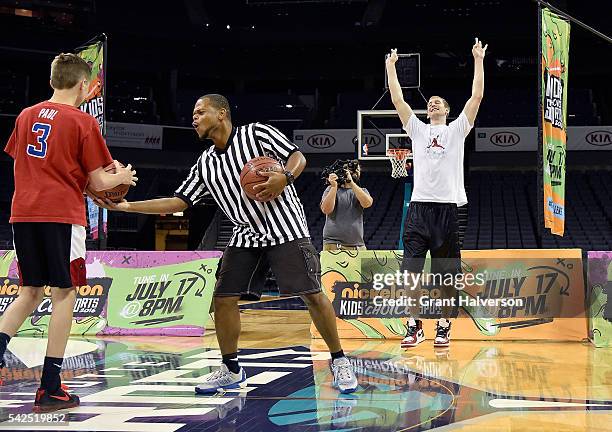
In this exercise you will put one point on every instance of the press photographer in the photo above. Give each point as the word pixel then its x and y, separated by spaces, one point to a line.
pixel 343 203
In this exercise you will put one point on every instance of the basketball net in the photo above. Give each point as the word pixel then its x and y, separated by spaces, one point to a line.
pixel 398 159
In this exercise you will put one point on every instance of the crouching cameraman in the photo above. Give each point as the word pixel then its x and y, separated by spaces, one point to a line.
pixel 343 203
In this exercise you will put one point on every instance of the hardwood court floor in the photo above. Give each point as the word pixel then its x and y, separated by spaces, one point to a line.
pixel 146 384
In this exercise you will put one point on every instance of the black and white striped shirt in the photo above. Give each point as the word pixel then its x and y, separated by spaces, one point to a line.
pixel 217 173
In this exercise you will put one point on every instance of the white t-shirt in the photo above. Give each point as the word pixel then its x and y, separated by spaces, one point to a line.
pixel 438 160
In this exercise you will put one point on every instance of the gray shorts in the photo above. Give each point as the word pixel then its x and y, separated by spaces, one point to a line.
pixel 296 265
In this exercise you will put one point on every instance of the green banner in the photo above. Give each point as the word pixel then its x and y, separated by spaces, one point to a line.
pixel 554 79
pixel 600 293
pixel 93 54
pixel 161 296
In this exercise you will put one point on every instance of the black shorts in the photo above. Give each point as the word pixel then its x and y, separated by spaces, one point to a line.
pixel 434 227
pixel 242 271
pixel 50 254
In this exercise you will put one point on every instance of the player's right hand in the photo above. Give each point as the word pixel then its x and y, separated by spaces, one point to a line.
pixel 332 179
pixel 127 173
pixel 392 57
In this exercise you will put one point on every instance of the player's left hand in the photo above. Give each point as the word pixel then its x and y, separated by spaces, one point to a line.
pixel 478 51
pixel 273 187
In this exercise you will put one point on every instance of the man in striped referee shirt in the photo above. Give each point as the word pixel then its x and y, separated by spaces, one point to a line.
pixel 273 232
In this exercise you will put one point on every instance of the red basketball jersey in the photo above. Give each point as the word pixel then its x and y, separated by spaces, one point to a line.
pixel 54 146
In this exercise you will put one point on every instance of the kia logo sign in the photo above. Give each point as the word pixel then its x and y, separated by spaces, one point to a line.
pixel 371 140
pixel 599 138
pixel 321 141
pixel 505 139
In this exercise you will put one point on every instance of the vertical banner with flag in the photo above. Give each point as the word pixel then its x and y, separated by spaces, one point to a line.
pixel 94 53
pixel 554 53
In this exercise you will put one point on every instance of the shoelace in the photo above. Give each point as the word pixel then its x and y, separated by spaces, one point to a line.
pixel 218 374
pixel 441 331
pixel 344 372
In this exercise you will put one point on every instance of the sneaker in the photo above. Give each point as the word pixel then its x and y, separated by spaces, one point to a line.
pixel 343 409
pixel 415 334
pixel 223 379
pixel 46 402
pixel 443 328
pixel 344 377
pixel 236 405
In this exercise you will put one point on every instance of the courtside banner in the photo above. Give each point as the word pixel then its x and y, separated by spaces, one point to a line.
pixel 129 293
pixel 600 298
pixel 502 294
pixel 554 57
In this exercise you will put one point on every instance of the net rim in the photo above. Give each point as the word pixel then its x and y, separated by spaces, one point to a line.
pixel 398 154
pixel 398 159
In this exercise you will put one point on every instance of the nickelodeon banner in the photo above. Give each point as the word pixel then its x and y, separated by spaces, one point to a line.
pixel 93 52
pixel 600 295
pixel 129 293
pixel 501 294
pixel 554 45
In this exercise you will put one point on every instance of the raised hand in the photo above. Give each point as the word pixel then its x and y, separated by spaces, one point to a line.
pixel 478 51
pixel 392 57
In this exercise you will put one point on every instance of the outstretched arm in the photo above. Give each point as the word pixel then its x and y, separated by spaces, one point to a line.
pixel 397 97
pixel 473 103
pixel 154 206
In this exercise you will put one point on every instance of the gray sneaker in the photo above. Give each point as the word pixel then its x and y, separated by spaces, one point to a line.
pixel 221 379
pixel 344 377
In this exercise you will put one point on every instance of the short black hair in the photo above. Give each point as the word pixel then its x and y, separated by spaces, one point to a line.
pixel 218 101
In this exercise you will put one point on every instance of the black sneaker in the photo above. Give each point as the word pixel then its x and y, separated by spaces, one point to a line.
pixel 46 402
pixel 442 334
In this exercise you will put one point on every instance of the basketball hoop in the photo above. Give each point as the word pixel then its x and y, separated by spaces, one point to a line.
pixel 399 159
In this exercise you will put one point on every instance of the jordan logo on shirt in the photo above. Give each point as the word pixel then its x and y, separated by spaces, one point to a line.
pixel 434 143
pixel 435 150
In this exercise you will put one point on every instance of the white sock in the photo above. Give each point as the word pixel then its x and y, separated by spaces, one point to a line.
pixel 443 322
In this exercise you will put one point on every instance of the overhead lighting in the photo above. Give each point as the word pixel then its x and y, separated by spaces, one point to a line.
pixel 24 13
pixel 289 106
pixel 228 27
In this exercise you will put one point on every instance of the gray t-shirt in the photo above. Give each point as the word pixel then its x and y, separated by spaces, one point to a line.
pixel 345 224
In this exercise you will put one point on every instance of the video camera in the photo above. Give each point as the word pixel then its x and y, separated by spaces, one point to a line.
pixel 339 168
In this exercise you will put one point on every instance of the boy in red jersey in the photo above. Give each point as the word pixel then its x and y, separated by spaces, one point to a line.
pixel 57 149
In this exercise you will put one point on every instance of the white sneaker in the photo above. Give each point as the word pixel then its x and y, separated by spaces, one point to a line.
pixel 344 377
pixel 415 334
pixel 221 379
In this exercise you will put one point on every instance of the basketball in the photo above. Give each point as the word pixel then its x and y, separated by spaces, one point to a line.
pixel 249 176
pixel 115 194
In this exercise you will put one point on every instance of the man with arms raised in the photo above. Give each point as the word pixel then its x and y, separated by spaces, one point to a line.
pixel 431 223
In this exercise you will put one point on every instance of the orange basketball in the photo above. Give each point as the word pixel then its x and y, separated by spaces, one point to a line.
pixel 249 176
pixel 115 194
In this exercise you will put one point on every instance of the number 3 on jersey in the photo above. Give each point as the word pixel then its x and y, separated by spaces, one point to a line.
pixel 40 149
